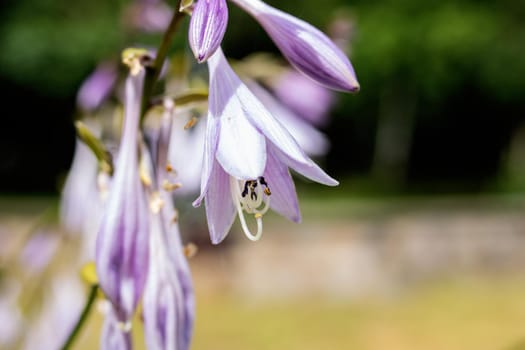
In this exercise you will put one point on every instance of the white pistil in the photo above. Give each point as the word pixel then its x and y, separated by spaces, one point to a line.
pixel 250 200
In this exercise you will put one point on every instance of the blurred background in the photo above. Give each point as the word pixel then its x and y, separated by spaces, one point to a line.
pixel 420 247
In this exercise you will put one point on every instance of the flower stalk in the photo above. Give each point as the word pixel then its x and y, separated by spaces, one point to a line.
pixel 83 318
pixel 153 72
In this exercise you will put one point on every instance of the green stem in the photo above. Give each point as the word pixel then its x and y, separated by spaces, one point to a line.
pixel 82 319
pixel 153 72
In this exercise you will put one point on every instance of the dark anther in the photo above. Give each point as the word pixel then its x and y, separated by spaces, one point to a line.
pixel 253 196
pixel 265 184
pixel 262 181
pixel 245 190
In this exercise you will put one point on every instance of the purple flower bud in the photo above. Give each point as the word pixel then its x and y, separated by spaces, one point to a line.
pixel 207 27
pixel 305 47
pixel 97 87
pixel 122 242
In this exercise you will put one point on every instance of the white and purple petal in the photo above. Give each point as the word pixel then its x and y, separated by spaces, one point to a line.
pixel 309 169
pixel 241 149
pixel 311 140
pixel 220 209
pixel 210 148
pixel 284 197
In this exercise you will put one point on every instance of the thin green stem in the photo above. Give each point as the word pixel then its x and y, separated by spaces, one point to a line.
pixel 82 319
pixel 153 72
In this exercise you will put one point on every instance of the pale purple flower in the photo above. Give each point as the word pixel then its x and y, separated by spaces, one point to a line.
pixel 114 335
pixel 38 251
pixel 122 242
pixel 247 155
pixel 97 87
pixel 186 152
pixel 168 301
pixel 80 193
pixel 311 140
pixel 82 200
pixel 308 49
pixel 207 27
pixel 304 97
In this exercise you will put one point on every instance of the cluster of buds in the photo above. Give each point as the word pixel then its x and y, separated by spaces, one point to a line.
pixel 246 140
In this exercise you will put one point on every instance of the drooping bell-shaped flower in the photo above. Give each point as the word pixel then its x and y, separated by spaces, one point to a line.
pixel 246 157
pixel 122 242
pixel 207 27
pixel 168 302
pixel 304 46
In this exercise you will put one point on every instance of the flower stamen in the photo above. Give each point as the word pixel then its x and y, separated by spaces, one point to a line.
pixel 255 193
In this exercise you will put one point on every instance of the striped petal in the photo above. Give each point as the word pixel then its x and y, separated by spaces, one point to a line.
pixel 284 197
pixel 241 150
pixel 220 209
pixel 308 49
pixel 207 27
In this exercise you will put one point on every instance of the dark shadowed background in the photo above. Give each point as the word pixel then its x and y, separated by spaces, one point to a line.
pixel 441 107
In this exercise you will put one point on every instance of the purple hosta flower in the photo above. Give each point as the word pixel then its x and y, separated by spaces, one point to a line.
pixel 311 140
pixel 114 336
pixel 304 97
pixel 305 47
pixel 97 87
pixel 39 251
pixel 168 296
pixel 247 153
pixel 186 152
pixel 122 242
pixel 168 301
pixel 207 27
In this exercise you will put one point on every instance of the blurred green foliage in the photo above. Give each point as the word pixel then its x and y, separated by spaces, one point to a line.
pixel 449 74
pixel 52 44
pixel 432 44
